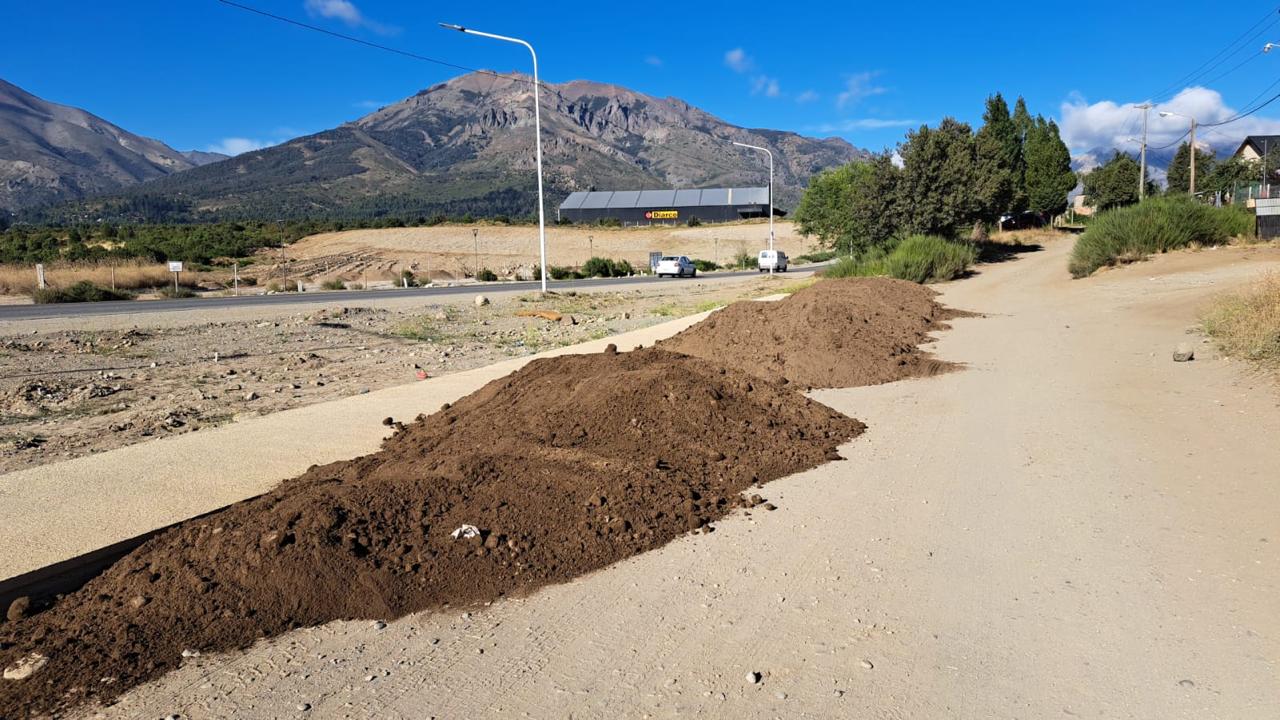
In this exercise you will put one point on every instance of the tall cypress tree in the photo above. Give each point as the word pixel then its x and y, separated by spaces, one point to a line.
pixel 1022 124
pixel 1049 173
pixel 1180 169
pixel 998 151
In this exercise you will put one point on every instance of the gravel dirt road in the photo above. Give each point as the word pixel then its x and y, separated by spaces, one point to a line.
pixel 1074 525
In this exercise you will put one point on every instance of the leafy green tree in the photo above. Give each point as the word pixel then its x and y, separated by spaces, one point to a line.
pixel 1230 174
pixel 1180 169
pixel 1114 184
pixel 998 150
pixel 1049 175
pixel 939 175
pixel 852 208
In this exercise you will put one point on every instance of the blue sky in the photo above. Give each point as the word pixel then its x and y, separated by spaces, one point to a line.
pixel 198 74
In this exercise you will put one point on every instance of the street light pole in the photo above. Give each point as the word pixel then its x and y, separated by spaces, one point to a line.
pixel 765 151
pixel 537 125
pixel 1192 148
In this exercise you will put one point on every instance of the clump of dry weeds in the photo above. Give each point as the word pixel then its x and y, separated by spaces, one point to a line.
pixel 1246 323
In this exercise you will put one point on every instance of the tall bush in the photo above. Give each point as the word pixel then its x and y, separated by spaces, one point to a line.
pixel 1156 225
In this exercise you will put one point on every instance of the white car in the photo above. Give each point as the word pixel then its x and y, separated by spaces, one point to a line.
pixel 675 266
pixel 774 260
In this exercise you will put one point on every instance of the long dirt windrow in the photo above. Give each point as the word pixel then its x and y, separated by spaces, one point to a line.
pixel 562 468
pixel 843 332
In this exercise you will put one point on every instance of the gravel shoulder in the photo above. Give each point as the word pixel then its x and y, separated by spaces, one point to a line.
pixel 1073 525
pixel 76 387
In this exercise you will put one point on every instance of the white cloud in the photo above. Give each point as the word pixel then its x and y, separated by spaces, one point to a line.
pixel 653 60
pixel 765 85
pixel 807 96
pixel 1107 124
pixel 857 87
pixel 738 60
pixel 347 12
pixel 863 124
pixel 237 146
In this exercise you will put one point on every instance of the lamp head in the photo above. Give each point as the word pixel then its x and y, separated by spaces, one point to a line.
pixel 451 26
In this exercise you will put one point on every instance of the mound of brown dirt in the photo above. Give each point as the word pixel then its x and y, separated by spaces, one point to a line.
pixel 841 332
pixel 564 467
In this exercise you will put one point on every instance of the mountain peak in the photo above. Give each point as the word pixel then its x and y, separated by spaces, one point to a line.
pixel 51 152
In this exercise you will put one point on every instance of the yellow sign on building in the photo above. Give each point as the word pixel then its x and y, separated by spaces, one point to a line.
pixel 662 215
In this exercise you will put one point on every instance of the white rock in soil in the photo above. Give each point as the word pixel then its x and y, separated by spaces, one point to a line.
pixel 753 677
pixel 481 301
pixel 867 664
pixel 189 653
pixel 1183 353
pixel 26 667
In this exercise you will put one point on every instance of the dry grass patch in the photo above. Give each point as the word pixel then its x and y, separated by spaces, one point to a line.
pixel 129 275
pixel 1246 323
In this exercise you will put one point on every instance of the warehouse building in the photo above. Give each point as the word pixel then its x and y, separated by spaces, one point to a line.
pixel 667 207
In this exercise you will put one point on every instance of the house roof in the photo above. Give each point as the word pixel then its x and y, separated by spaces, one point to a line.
pixel 1261 144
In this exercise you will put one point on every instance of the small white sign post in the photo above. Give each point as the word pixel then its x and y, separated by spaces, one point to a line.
pixel 175 267
pixel 40 276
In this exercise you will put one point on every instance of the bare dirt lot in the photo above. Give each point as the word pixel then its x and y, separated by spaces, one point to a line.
pixel 1074 525
pixel 115 381
pixel 451 251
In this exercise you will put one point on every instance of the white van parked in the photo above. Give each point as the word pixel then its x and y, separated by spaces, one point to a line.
pixel 774 260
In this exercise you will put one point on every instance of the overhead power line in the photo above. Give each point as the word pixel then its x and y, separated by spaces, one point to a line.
pixel 1232 48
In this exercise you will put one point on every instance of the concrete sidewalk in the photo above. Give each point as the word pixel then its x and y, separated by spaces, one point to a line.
pixel 63 511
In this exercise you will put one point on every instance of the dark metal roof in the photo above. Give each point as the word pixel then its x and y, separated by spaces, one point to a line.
pixel 708 197
pixel 1262 144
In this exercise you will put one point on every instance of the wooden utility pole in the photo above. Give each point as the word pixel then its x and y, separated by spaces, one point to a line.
pixel 1142 175
pixel 1193 157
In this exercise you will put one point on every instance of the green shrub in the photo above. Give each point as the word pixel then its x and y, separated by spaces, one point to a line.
pixel 83 291
pixel 604 267
pixel 408 278
pixel 817 257
pixel 334 284
pixel 851 267
pixel 705 265
pixel 609 222
pixel 927 258
pixel 744 260
pixel 1156 225
pixel 559 272
pixel 693 221
pixel 181 291
pixel 487 275
pixel 919 258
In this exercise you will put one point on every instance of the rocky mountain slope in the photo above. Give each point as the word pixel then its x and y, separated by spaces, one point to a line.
pixel 51 152
pixel 466 146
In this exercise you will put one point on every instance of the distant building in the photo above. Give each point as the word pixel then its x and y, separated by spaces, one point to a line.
pixel 667 207
pixel 1255 146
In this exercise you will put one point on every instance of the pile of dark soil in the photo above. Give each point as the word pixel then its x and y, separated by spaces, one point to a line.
pixel 564 467
pixel 842 332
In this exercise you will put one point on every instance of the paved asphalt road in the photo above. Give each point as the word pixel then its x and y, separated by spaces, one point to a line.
pixel 133 307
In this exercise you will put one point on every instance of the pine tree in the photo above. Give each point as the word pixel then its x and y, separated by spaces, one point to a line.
pixel 1049 174
pixel 1180 169
pixel 998 151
